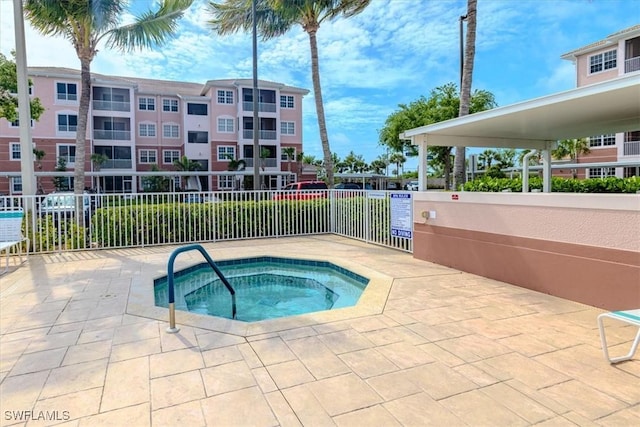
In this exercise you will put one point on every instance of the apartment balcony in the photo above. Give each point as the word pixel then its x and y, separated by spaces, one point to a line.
pixel 112 105
pixel 117 164
pixel 264 134
pixel 268 162
pixel 266 107
pixel 112 135
pixel 631 148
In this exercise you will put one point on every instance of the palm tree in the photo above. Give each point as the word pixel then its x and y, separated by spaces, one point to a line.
pixel 571 148
pixel 290 152
pixel 85 24
pixel 275 18
pixel 186 165
pixel 459 170
pixel 98 159
pixel 39 155
pixel 398 159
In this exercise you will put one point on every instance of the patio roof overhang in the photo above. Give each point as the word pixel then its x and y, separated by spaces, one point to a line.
pixel 602 108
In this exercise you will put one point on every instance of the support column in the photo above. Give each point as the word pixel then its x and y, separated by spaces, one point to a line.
pixel 546 167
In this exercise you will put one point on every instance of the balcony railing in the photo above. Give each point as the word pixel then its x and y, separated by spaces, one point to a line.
pixel 117 164
pixel 120 135
pixel 112 105
pixel 268 162
pixel 69 128
pixel 264 134
pixel 632 64
pixel 631 148
pixel 267 107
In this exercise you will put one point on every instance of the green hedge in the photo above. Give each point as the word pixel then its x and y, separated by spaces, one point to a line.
pixel 559 185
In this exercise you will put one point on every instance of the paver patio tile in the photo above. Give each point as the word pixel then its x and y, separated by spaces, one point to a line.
pixel 368 363
pixel 625 417
pixel 86 352
pixel 476 408
pixel 393 385
pixel 176 389
pixel 242 407
pixel 373 416
pixel 272 351
pixel 558 421
pixel 527 345
pixel 372 323
pixel 137 416
pixel 52 341
pixel 28 335
pixel 21 392
pixel 229 377
pixel 289 374
pixel 405 355
pixel 186 414
pixel 528 371
pixel 93 335
pixel 292 334
pixel 344 393
pixel 132 350
pixel 103 323
pixel 307 407
pixel 439 381
pixel 345 341
pixel 77 404
pixel 185 338
pixel 39 361
pixel 220 356
pixel 173 362
pixel 126 384
pixel 282 410
pixel 71 316
pixel 573 394
pixel 211 340
pixel 136 332
pixel 476 375
pixel 66 327
pixel 472 348
pixel 73 378
pixel 317 358
pixel 421 410
pixel 529 409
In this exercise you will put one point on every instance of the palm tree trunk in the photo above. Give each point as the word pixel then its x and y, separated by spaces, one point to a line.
pixel 81 135
pixel 317 93
pixel 459 169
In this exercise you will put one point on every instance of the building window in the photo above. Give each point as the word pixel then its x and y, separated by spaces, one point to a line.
pixel 226 153
pixel 67 122
pixel 169 156
pixel 16 184
pixel 67 152
pixel 67 91
pixel 148 156
pixel 194 109
pixel 225 97
pixel 225 125
pixel 197 137
pixel 16 123
pixel 287 128
pixel 147 129
pixel 602 140
pixel 603 61
pixel 601 172
pixel 225 182
pixel 631 171
pixel 170 105
pixel 285 158
pixel 170 131
pixel 15 151
pixel 148 104
pixel 286 101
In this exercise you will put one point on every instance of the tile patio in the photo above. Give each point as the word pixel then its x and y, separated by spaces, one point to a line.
pixel 81 342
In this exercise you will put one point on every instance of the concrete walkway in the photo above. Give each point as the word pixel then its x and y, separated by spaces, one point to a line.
pixel 440 347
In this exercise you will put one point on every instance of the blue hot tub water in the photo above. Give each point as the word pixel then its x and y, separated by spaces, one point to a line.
pixel 266 288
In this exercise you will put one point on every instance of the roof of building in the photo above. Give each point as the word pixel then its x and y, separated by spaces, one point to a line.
pixel 162 87
pixel 610 40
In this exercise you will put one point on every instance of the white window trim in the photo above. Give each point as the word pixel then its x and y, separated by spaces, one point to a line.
pixel 171 101
pixel 602 61
pixel 11 124
pixel 67 133
pixel 11 146
pixel 147 151
pixel 66 101
pixel 228 179
pixel 171 124
pixel 225 159
pixel 287 102
pixel 147 124
pixel 147 98
pixel 166 151
pixel 225 97
pixel 16 180
pixel 226 118
pixel 69 164
pixel 282 128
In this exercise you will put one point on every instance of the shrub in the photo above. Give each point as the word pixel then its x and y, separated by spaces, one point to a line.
pixel 559 185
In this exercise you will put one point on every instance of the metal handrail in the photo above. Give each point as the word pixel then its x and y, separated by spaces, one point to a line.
pixel 172 309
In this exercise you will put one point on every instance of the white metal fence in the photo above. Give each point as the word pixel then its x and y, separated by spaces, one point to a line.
pixel 65 222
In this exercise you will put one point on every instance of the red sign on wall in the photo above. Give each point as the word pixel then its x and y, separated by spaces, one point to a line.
pixel 454 197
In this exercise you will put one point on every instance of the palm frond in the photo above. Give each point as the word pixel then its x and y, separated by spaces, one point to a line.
pixel 150 28
pixel 234 16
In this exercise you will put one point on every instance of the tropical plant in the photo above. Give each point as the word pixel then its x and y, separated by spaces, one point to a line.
pixel 85 24
pixel 459 170
pixel 274 18
pixel 155 184
pixel 571 148
pixel 397 159
pixel 290 152
pixel 61 183
pixel 184 164
pixel 98 159
pixel 39 155
pixel 9 89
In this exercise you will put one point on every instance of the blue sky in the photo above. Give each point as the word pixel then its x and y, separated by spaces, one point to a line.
pixel 392 53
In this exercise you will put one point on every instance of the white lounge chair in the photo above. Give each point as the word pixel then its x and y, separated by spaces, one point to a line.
pixel 11 234
pixel 631 317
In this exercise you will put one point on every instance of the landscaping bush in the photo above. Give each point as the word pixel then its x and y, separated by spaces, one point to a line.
pixel 558 185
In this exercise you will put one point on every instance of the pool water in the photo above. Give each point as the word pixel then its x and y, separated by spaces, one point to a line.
pixel 266 288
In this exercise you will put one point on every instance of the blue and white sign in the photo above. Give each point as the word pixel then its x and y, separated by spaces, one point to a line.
pixel 401 215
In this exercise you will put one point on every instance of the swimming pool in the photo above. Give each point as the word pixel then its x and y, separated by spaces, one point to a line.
pixel 266 288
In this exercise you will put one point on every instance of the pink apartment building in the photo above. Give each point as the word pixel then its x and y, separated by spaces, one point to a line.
pixel 137 123
pixel 614 56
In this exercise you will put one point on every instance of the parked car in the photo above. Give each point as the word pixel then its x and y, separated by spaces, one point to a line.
pixel 411 186
pixel 303 190
pixel 62 205
pixel 347 186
